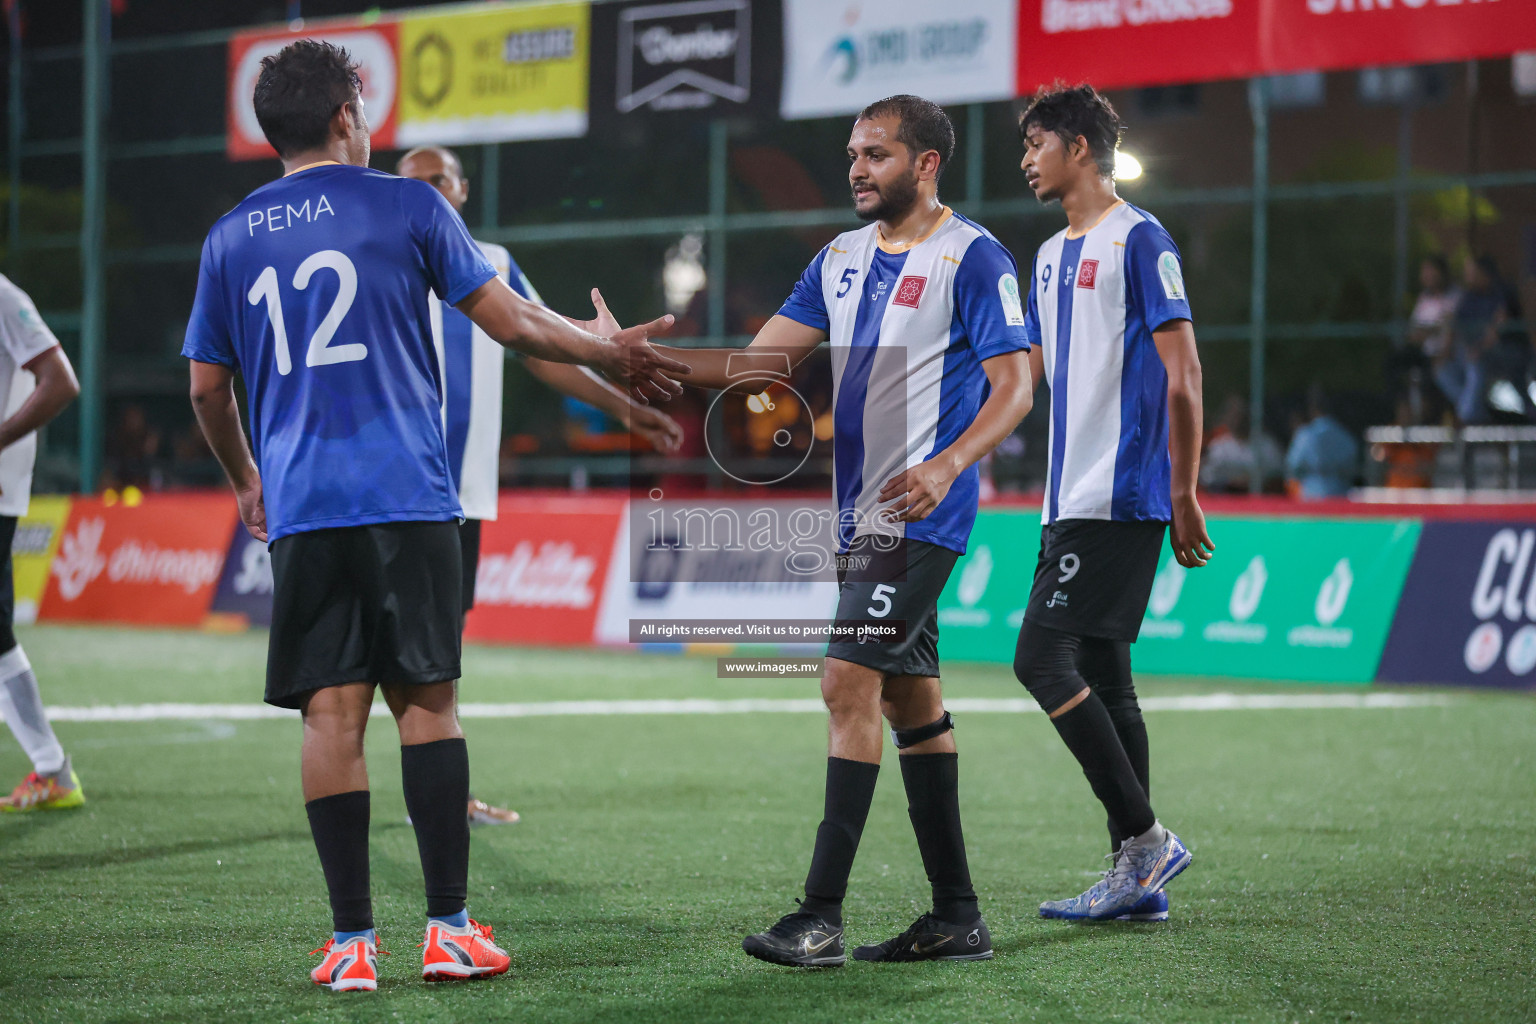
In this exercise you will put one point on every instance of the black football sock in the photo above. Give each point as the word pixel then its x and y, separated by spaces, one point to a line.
pixel 933 803
pixel 436 780
pixel 340 826
pixel 1090 734
pixel 850 790
pixel 1132 730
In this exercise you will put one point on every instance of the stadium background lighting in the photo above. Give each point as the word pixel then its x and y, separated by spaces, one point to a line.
pixel 1127 167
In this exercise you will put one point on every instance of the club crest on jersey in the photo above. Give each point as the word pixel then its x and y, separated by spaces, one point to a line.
pixel 1087 273
pixel 909 291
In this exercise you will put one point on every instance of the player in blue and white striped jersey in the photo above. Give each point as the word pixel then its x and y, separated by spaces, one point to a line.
pixel 471 366
pixel 1111 332
pixel 930 371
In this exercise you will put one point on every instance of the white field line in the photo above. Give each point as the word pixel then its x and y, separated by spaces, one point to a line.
pixel 569 708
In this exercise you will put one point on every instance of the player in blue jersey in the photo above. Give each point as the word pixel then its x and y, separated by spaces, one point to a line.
pixel 318 289
pixel 1110 330
pixel 930 372
pixel 471 365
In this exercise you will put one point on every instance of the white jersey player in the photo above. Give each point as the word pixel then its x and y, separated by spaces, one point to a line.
pixel 930 372
pixel 38 381
pixel 471 367
pixel 1111 328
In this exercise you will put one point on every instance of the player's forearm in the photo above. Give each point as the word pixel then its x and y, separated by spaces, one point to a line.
pixel 544 334
pixel 1002 412
pixel 723 368
pixel 1185 410
pixel 219 417
pixel 56 388
pixel 583 385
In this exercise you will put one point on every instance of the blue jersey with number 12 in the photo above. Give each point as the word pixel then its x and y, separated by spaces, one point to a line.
pixel 318 288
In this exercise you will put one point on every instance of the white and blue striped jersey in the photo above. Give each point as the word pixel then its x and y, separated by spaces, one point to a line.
pixel 1093 305
pixel 910 329
pixel 471 365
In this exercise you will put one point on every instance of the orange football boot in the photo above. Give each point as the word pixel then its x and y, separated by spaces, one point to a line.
pixel 44 793
pixel 454 954
pixel 350 967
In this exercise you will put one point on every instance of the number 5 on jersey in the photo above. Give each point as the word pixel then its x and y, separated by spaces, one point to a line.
pixel 882 597
pixel 320 353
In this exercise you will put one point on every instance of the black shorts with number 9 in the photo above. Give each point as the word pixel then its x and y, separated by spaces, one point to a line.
pixel 1094 577
pixel 893 580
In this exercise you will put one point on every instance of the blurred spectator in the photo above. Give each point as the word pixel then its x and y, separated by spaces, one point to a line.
pixel 1323 455
pixel 1507 367
pixel 1429 325
pixel 1232 457
pixel 1482 308
pixel 192 461
pixel 1408 464
pixel 132 451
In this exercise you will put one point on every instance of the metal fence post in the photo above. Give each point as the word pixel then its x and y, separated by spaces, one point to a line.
pixel 1258 105
pixel 15 133
pixel 719 171
pixel 490 185
pixel 94 81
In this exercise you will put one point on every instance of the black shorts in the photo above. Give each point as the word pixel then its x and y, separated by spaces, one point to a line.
pixel 469 546
pixel 1095 576
pixel 900 584
pixel 364 604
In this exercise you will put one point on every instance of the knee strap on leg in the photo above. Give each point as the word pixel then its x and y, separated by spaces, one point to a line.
pixel 912 737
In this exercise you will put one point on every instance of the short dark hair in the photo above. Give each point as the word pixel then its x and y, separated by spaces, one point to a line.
pixel 1070 111
pixel 924 125
pixel 298 91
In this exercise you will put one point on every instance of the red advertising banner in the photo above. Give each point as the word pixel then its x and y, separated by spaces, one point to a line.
pixel 1123 43
pixel 376 47
pixel 154 563
pixel 1119 43
pixel 1318 35
pixel 543 563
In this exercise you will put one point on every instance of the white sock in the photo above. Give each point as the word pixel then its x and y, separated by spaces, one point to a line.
pixel 22 707
pixel 1154 836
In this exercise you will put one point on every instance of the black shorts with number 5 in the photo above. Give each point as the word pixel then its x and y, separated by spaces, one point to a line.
pixel 1095 576
pixel 881 583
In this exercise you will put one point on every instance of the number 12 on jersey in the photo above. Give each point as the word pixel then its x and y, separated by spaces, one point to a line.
pixel 321 352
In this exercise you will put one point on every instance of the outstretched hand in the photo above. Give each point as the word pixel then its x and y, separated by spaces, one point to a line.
pixel 640 369
pixel 661 430
pixel 606 325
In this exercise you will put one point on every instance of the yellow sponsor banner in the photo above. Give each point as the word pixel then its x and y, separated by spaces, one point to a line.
pixel 494 72
pixel 32 550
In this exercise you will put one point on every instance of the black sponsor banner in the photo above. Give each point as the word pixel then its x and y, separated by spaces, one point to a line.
pixel 245 585
pixel 679 57
pixel 1468 609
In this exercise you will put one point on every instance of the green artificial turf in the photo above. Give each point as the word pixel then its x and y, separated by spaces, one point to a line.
pixel 1363 865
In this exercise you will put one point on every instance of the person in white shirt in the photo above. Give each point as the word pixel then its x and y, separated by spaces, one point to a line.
pixel 38 381
pixel 471 365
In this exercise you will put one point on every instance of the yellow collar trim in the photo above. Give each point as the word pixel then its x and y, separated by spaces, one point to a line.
pixel 904 246
pixel 1113 207
pixel 317 163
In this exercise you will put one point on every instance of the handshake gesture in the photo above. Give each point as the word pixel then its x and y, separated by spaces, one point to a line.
pixel 630 361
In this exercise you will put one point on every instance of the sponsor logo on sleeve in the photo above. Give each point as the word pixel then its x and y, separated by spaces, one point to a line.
pixel 1172 276
pixel 909 292
pixel 1013 305
pixel 1088 273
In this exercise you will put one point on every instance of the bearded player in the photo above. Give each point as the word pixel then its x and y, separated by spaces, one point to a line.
pixel 930 369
